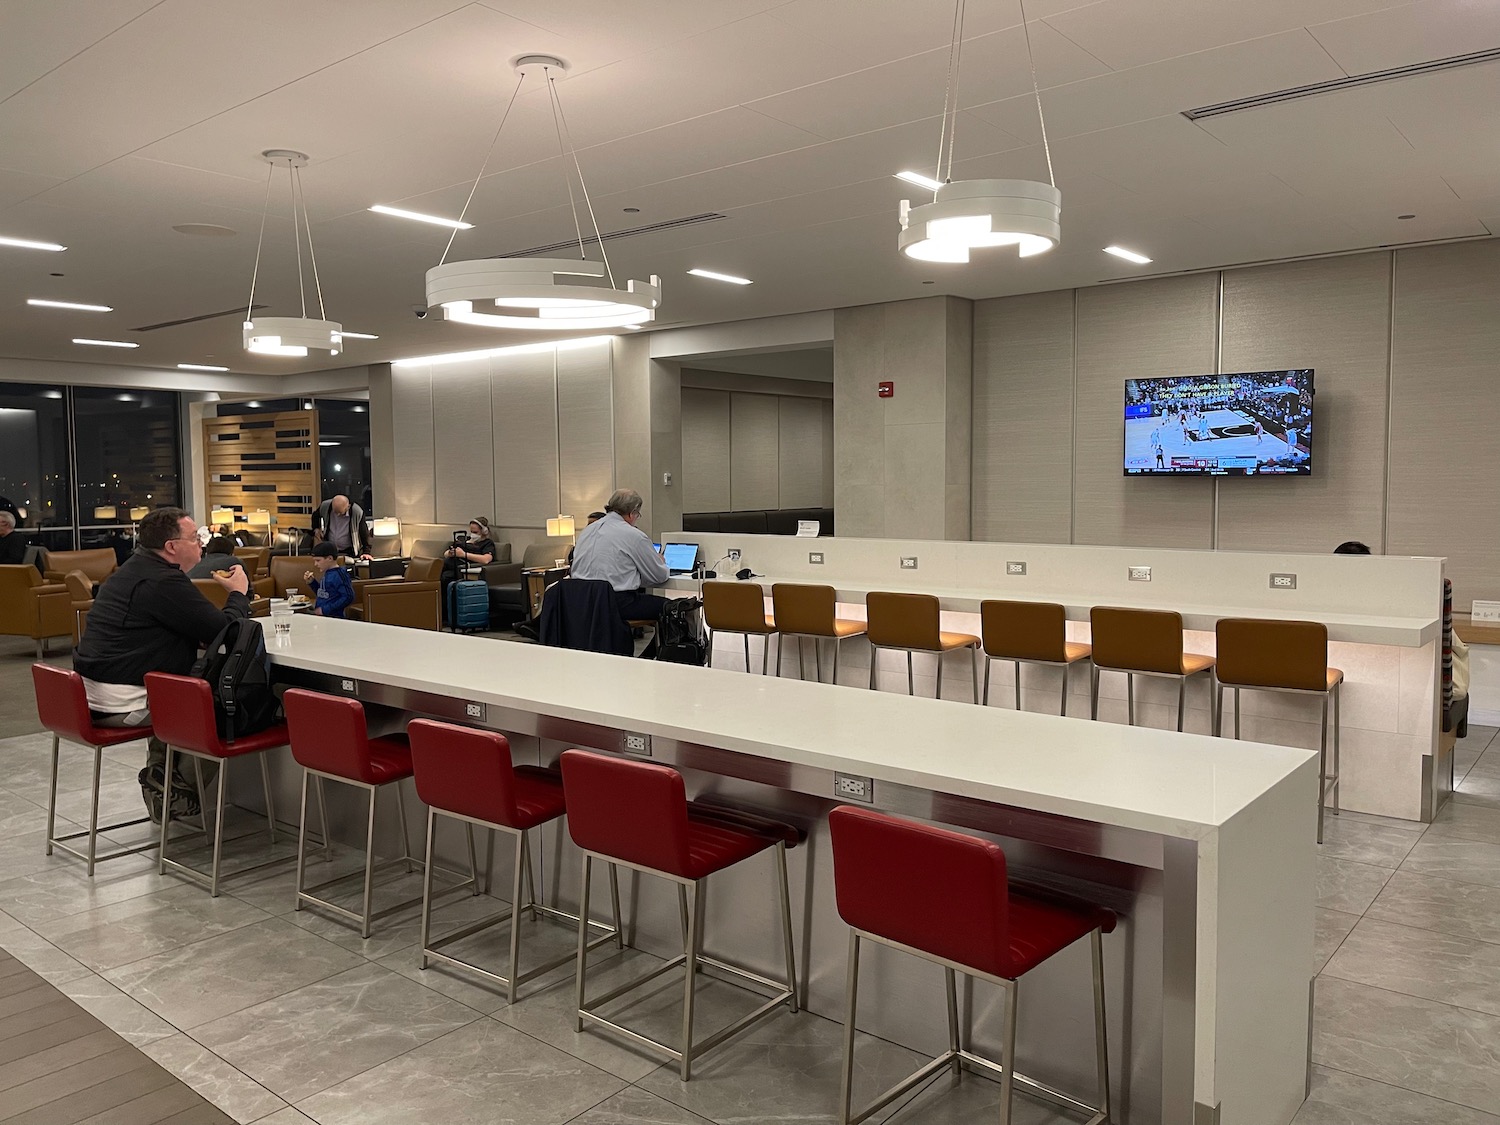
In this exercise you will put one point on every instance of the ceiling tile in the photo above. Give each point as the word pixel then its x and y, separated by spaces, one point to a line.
pixel 1410 33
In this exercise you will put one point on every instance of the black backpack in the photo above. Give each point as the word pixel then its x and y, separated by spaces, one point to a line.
pixel 679 632
pixel 238 669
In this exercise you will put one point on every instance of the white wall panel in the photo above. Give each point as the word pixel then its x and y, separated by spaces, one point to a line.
pixel 411 401
pixel 705 451
pixel 463 448
pixel 524 413
pixel 800 472
pixel 755 422
pixel 586 431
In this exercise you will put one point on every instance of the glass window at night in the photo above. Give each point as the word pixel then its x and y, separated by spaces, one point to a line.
pixel 34 455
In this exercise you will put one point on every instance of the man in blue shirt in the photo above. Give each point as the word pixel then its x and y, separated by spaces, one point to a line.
pixel 335 591
pixel 616 551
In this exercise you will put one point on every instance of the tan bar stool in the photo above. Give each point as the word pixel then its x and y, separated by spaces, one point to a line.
pixel 1285 656
pixel 809 611
pixel 1028 633
pixel 913 623
pixel 739 607
pixel 1142 642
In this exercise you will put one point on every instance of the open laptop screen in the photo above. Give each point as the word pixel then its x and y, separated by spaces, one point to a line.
pixel 680 557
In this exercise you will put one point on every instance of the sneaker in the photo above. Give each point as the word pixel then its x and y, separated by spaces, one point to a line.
pixel 152 792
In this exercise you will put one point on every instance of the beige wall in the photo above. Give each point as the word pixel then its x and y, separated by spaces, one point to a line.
pixel 1405 345
pixel 745 451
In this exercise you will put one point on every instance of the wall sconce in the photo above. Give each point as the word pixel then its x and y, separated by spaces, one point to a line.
pixel 562 525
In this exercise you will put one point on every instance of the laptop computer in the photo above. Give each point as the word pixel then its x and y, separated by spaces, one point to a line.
pixel 680 557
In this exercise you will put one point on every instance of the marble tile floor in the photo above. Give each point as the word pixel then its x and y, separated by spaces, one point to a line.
pixel 285 1017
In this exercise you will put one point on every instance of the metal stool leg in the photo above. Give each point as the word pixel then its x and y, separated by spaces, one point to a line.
pixel 1218 709
pixel 52 796
pixel 747 651
pixel 515 918
pixel 426 929
pixel 1018 685
pixel 213 886
pixel 851 993
pixel 1236 713
pixel 1008 1082
pixel 1130 696
pixel 166 815
pixel 93 810
pixel 1101 1030
pixel 817 643
pixel 1322 768
pixel 405 834
pixel 323 819
pixel 690 979
pixel 614 904
pixel 364 929
pixel 473 865
pixel 583 945
pixel 985 696
pixel 874 656
pixel 302 844
pixel 938 694
pixel 974 671
pixel 1062 708
pixel 265 781
pixel 765 653
pixel 1094 691
pixel 786 924
pixel 911 683
pixel 950 979
pixel 1181 701
pixel 1338 773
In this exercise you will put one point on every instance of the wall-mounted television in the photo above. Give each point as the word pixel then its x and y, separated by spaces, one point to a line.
pixel 1251 423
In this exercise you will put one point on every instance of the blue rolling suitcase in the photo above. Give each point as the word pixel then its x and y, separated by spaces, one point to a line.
pixel 468 606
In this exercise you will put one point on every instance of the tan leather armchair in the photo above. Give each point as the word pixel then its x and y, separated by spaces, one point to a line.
pixel 254 560
pixel 259 607
pixel 96 564
pixel 81 594
pixel 286 573
pixel 30 607
pixel 413 600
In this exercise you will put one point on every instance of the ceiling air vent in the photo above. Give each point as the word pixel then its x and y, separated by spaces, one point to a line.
pixel 629 232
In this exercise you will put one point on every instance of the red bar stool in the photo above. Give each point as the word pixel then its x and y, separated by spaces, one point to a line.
pixel 943 896
pixel 331 742
pixel 182 711
pixel 63 707
pixel 467 775
pixel 637 815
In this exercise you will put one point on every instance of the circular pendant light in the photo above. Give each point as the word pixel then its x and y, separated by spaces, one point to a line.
pixel 556 294
pixel 970 214
pixel 290 335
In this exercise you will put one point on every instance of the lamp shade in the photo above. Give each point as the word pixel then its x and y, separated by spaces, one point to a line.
pixel 258 518
pixel 221 515
pixel 138 514
pixel 562 525
pixel 971 214
pixel 385 525
pixel 105 512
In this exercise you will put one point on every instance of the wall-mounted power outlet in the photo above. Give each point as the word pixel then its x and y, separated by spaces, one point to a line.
pixel 734 554
pixel 1140 574
pixel 852 787
pixel 815 558
pixel 1283 581
pixel 351 686
pixel 1015 568
pixel 636 744
pixel 474 711
pixel 908 562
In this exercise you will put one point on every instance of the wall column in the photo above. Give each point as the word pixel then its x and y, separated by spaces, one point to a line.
pixel 648 432
pixel 902 464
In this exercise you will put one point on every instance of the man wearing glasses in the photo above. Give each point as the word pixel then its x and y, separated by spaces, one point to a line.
pixel 149 617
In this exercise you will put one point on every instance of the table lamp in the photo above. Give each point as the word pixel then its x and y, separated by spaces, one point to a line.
pixel 385 525
pixel 105 512
pixel 220 517
pixel 562 525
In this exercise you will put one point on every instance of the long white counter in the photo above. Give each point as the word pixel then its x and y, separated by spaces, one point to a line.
pixel 1206 845
pixel 1383 616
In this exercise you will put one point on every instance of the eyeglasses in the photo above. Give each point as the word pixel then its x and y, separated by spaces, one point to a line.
pixel 193 539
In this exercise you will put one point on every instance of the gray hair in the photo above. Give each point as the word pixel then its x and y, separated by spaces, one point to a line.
pixel 624 501
pixel 6 517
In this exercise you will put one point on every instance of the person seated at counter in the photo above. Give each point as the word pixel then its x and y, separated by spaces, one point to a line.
pixel 335 593
pixel 614 550
pixel 218 556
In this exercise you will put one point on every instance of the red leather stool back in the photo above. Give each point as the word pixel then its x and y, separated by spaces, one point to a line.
pixel 463 770
pixel 329 734
pixel 63 708
pixel 182 711
pixel 632 811
pixel 928 888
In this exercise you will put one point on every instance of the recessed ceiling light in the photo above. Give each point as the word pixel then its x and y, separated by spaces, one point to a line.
pixel 347 335
pixel 435 220
pixel 206 230
pixel 632 210
pixel 1128 255
pixel 28 244
pixel 729 277
pixel 920 180
pixel 43 304
pixel 106 343
pixel 1406 216
pixel 200 367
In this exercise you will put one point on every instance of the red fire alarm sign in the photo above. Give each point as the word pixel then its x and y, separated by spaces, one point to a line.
pixel 885 390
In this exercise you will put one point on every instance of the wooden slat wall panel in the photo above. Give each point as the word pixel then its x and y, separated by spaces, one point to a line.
pixel 275 454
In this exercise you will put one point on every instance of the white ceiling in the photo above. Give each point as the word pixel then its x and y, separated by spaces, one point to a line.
pixel 122 118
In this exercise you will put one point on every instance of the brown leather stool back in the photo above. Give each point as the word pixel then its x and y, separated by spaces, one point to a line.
pixel 1137 640
pixel 1280 654
pixel 735 607
pixel 1024 630
pixel 804 609
pixel 911 621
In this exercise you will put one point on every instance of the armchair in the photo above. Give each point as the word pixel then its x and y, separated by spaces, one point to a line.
pixel 285 572
pixel 97 565
pixel 30 607
pixel 259 606
pixel 413 600
pixel 81 594
pixel 508 596
pixel 254 559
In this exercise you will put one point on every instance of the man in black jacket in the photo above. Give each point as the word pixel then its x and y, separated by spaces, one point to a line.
pixel 148 617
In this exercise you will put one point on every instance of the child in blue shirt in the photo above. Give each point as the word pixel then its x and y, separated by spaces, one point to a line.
pixel 335 591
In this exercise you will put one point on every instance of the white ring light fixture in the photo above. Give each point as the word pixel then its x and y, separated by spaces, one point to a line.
pixel 967 215
pixel 541 293
pixel 290 335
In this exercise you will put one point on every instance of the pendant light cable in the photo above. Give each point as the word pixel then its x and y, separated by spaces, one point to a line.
pixel 475 186
pixel 562 152
pixel 259 242
pixel 291 184
pixel 1037 91
pixel 311 254
pixel 950 95
pixel 583 185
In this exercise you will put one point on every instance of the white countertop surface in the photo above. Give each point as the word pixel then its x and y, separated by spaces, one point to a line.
pixel 1358 628
pixel 1181 785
